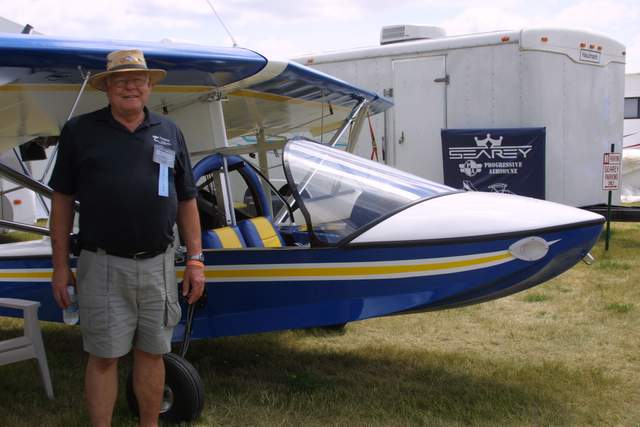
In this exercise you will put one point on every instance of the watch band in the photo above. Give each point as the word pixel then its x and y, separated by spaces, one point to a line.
pixel 196 257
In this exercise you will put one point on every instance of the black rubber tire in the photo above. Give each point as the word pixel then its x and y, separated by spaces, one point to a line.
pixel 185 385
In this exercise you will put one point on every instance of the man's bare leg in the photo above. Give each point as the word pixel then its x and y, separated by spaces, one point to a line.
pixel 101 389
pixel 148 384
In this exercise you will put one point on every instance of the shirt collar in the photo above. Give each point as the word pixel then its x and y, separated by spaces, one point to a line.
pixel 150 118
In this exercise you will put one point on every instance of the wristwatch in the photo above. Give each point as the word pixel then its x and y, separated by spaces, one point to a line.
pixel 196 257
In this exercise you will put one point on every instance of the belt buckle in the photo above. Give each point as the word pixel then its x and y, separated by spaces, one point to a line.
pixel 138 255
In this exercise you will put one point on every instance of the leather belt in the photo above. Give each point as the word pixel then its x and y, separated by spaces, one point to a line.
pixel 124 254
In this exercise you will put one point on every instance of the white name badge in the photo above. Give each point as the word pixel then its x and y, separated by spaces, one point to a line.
pixel 164 156
pixel 163 181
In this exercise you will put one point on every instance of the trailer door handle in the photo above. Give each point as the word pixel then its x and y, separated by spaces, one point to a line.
pixel 444 79
pixel 401 140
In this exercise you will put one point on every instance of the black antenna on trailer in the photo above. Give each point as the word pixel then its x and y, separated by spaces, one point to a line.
pixel 223 25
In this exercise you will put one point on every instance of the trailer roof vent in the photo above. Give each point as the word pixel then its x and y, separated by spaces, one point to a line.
pixel 403 33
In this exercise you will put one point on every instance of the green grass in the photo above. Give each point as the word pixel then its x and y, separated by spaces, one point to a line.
pixel 563 353
pixel 613 265
pixel 619 308
pixel 535 297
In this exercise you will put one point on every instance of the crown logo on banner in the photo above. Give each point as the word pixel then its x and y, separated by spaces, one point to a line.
pixel 488 142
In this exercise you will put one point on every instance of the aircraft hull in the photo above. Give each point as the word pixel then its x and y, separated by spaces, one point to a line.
pixel 262 289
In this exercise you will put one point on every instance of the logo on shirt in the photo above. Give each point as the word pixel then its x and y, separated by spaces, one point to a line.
pixel 160 140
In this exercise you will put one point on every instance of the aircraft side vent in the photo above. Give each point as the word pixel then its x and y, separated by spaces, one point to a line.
pixel 403 33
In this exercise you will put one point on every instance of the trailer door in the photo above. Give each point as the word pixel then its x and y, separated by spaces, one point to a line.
pixel 419 114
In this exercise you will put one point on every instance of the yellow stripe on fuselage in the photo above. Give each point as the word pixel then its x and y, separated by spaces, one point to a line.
pixel 354 271
pixel 361 270
pixel 26 274
pixel 318 271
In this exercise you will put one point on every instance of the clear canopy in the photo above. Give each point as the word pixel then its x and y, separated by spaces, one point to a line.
pixel 341 193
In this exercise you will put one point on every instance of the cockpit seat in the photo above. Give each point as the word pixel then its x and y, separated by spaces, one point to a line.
pixel 223 238
pixel 260 232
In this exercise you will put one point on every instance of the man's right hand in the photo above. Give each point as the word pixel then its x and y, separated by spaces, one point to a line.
pixel 62 277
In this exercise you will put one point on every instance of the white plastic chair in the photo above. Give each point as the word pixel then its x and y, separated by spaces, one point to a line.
pixel 30 345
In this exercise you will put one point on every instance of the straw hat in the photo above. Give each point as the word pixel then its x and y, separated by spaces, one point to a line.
pixel 123 61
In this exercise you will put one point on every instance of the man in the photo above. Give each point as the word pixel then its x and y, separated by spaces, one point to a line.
pixel 130 171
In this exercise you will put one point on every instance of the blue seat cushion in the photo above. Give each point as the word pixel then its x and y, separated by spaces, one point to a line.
pixel 223 238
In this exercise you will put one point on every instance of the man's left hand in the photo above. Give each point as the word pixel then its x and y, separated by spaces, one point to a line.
pixel 193 283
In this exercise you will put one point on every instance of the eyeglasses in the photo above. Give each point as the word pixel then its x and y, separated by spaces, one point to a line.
pixel 122 83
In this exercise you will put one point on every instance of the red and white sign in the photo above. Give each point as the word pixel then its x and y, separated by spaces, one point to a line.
pixel 611 164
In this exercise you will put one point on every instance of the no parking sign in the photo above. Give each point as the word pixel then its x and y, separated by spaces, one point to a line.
pixel 611 163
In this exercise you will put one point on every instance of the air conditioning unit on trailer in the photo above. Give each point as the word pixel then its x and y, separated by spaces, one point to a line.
pixel 403 33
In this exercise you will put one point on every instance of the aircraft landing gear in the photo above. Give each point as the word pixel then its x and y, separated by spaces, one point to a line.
pixel 183 397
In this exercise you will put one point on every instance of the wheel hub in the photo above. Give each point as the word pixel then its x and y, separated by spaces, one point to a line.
pixel 167 399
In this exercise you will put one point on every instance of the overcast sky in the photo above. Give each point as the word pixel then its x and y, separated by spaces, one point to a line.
pixel 287 28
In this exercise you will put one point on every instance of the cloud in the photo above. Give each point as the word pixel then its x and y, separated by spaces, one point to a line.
pixel 482 19
pixel 597 14
pixel 104 18
pixel 292 12
pixel 633 55
pixel 603 16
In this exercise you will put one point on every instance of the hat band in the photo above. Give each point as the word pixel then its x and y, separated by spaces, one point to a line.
pixel 129 67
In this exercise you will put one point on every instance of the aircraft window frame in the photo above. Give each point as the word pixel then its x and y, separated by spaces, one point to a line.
pixel 213 179
pixel 208 198
pixel 273 188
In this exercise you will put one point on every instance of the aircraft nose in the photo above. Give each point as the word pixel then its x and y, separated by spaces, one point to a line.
pixel 474 214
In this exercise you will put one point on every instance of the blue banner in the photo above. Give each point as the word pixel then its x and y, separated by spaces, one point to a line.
pixel 499 160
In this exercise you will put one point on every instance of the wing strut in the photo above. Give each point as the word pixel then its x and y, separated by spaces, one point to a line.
pixel 28 182
pixel 73 109
pixel 353 116
pixel 264 165
pixel 219 135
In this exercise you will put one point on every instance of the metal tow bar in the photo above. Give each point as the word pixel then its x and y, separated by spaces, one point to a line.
pixel 191 310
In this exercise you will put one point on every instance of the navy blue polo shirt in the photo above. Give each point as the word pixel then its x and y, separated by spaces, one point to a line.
pixel 111 172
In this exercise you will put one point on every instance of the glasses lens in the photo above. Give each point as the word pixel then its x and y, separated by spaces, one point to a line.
pixel 122 83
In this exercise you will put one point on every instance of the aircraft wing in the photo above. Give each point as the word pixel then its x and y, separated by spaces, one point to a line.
pixel 41 76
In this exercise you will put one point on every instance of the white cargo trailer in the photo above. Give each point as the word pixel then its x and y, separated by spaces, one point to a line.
pixel 631 152
pixel 570 82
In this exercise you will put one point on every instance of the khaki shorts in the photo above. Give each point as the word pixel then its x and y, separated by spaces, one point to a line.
pixel 126 302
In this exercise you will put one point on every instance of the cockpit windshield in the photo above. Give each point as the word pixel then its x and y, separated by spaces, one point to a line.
pixel 340 193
